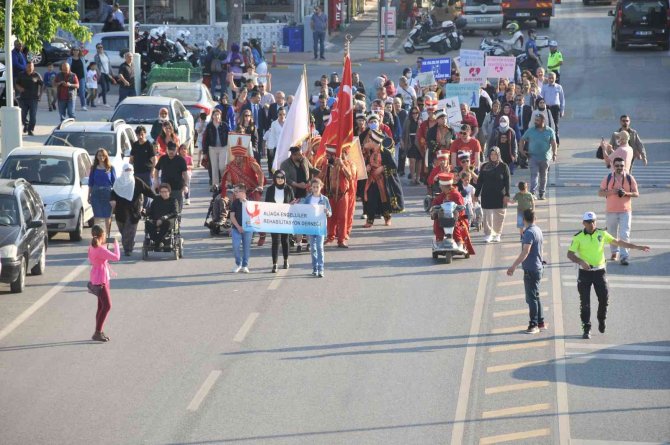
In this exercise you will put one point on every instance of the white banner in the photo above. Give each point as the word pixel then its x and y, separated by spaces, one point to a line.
pixel 471 57
pixel 294 219
pixel 474 74
pixel 453 109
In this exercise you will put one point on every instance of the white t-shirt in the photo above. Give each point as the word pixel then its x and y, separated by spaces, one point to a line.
pixel 314 200
pixel 279 195
pixel 92 79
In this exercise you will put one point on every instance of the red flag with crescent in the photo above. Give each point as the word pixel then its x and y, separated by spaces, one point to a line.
pixel 340 128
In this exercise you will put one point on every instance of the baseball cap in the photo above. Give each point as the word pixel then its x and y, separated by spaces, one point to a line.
pixel 589 216
pixel 553 43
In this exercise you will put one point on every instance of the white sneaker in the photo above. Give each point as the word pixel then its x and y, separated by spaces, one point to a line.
pixel 245 270
pixel 495 239
pixel 84 108
pixel 237 269
pixel 488 238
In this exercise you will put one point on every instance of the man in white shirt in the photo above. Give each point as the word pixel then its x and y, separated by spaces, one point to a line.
pixel 555 100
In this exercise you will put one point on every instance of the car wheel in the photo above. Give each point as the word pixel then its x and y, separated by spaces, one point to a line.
pixel 76 234
pixel 41 265
pixel 38 59
pixel 617 46
pixel 435 255
pixel 447 258
pixel 20 283
pixel 612 43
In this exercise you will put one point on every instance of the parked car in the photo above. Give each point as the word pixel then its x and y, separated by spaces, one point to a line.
pixel 640 22
pixel 483 15
pixel 23 236
pixel 116 137
pixel 60 175
pixel 55 51
pixel 115 43
pixel 194 95
pixel 143 110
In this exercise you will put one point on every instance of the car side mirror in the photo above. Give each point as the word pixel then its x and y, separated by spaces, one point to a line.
pixel 35 224
pixel 610 13
pixel 84 181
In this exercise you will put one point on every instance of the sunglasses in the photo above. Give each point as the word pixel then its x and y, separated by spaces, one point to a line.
pixel 619 165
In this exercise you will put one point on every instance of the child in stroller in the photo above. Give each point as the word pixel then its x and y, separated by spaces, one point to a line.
pixel 161 226
pixel 432 183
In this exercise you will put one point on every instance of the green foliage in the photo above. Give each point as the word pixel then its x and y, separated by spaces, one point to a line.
pixel 37 20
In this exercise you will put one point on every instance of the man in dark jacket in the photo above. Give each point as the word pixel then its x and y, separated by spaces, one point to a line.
pixel 260 116
pixel 214 142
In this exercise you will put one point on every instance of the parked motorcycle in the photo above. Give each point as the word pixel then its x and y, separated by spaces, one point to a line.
pixel 450 37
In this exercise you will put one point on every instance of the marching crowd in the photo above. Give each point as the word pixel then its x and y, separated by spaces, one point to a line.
pixel 401 133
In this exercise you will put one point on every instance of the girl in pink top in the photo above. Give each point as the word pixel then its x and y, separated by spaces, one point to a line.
pixel 99 256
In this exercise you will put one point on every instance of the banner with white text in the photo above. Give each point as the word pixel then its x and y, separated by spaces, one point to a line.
pixel 294 219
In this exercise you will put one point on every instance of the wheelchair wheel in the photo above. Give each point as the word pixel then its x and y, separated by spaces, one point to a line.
pixel 427 203
pixel 175 252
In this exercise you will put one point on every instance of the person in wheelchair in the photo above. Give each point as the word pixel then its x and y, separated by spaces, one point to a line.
pixel 162 216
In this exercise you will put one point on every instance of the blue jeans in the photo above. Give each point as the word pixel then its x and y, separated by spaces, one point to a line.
pixel 103 83
pixel 81 92
pixel 319 39
pixel 531 284
pixel 66 109
pixel 316 248
pixel 538 167
pixel 28 113
pixel 242 258
pixel 218 80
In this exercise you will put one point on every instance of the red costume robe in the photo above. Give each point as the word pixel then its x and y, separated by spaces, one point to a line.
pixel 249 173
pixel 461 230
pixel 337 181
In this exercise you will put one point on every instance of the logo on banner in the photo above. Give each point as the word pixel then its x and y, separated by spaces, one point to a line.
pixel 254 215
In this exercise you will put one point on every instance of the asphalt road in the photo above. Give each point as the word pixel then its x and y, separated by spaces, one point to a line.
pixel 390 347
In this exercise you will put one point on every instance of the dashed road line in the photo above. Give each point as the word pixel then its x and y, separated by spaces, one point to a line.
pixel 517 346
pixel 515 410
pixel 509 329
pixel 515 387
pixel 514 436
pixel 276 281
pixel 514 312
pixel 44 299
pixel 515 283
pixel 513 366
pixel 246 327
pixel 203 391
pixel 518 297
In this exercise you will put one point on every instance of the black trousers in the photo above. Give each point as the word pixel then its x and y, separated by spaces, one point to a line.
pixel 402 160
pixel 597 279
pixel 276 237
pixel 271 158
pixel 555 111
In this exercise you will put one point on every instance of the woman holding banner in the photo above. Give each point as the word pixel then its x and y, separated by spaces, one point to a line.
pixel 279 193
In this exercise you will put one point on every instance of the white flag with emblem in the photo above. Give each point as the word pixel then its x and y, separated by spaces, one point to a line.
pixel 296 127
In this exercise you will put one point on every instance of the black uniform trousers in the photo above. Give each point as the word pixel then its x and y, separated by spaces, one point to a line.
pixel 597 279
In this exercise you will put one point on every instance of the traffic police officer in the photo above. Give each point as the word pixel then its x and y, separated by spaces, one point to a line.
pixel 555 60
pixel 588 251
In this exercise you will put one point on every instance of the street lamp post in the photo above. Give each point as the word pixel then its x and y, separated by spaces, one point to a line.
pixel 9 115
pixel 137 58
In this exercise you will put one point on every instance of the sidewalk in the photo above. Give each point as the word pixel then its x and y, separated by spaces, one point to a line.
pixel 363 30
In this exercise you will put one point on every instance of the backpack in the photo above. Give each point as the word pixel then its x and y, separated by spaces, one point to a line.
pixel 610 177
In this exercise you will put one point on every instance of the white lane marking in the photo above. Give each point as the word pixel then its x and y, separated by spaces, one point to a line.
pixel 612 442
pixel 519 297
pixel 276 281
pixel 516 283
pixel 640 348
pixel 514 436
pixel 626 357
pixel 469 360
pixel 510 329
pixel 562 408
pixel 246 327
pixel 515 312
pixel 515 387
pixel 203 391
pixel 632 278
pixel 44 299
pixel 517 346
pixel 624 285
pixel 513 366
pixel 515 410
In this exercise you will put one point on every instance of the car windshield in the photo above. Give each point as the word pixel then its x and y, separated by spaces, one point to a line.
pixel 184 94
pixel 89 141
pixel 138 113
pixel 9 211
pixel 39 169
pixel 652 13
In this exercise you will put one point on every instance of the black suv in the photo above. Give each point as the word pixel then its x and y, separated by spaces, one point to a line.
pixel 23 234
pixel 640 22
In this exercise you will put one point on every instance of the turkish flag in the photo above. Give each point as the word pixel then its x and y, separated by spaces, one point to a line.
pixel 340 128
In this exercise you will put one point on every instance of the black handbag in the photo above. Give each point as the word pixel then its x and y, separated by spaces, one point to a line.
pixel 95 289
pixel 599 153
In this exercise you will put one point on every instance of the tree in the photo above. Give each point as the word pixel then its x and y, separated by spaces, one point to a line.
pixel 37 20
pixel 234 21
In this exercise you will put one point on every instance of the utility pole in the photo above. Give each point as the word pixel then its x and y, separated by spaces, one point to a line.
pixel 10 115
pixel 137 58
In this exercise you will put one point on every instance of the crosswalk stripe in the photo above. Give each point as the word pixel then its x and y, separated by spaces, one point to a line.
pixel 517 346
pixel 515 387
pixel 513 366
pixel 515 410
pixel 514 312
pixel 640 348
pixel 509 329
pixel 626 357
pixel 514 436
pixel 624 285
pixel 518 297
pixel 631 278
